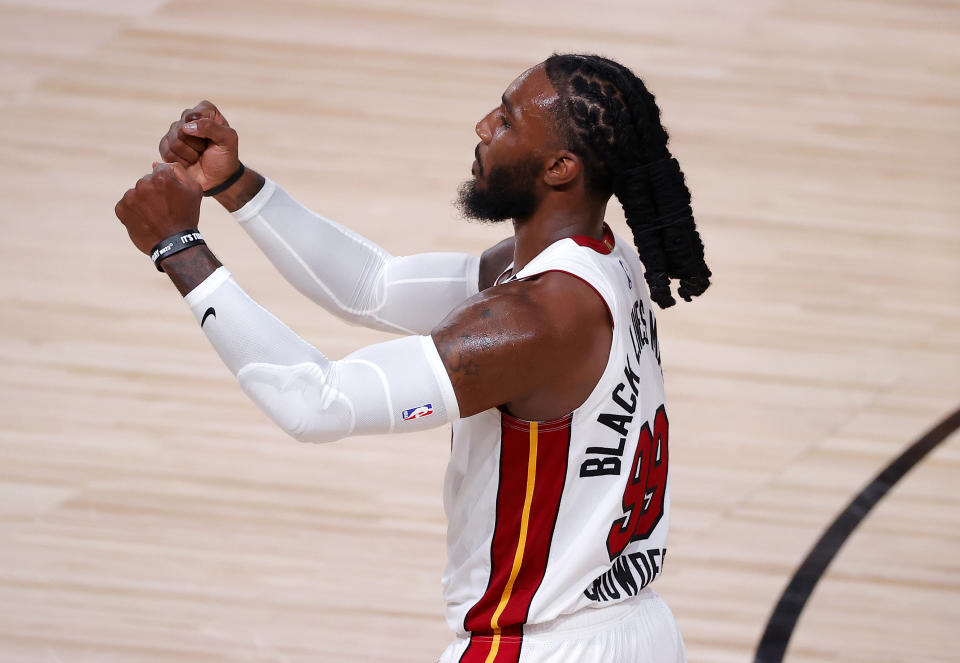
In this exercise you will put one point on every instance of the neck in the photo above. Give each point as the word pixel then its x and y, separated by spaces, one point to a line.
pixel 558 217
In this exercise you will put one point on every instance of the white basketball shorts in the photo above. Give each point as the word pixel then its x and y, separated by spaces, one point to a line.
pixel 638 630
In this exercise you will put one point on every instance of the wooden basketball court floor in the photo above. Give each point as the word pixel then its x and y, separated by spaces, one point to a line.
pixel 149 513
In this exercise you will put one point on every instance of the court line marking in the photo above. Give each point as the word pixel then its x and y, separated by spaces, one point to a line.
pixel 783 619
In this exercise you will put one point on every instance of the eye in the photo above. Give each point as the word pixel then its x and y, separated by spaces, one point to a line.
pixel 504 122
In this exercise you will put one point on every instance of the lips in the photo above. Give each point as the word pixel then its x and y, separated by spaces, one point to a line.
pixel 477 168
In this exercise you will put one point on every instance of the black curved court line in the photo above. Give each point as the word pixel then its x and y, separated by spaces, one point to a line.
pixel 783 619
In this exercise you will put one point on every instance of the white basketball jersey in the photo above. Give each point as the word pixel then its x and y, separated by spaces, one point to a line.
pixel 551 517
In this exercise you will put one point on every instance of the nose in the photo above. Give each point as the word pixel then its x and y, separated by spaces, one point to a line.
pixel 483 129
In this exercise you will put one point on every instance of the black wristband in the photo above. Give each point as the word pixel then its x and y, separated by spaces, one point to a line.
pixel 175 244
pixel 227 183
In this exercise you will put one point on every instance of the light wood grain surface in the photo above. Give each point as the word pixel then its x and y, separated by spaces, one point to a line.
pixel 149 513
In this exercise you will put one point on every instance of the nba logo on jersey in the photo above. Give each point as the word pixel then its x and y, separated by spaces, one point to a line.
pixel 417 412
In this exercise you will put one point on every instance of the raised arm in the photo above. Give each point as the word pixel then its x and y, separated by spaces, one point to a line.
pixel 400 385
pixel 347 274
pixel 537 347
pixel 352 277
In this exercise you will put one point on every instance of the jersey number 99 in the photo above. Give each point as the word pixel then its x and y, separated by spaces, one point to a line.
pixel 646 487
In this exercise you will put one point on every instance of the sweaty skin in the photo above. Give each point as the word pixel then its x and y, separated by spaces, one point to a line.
pixel 535 347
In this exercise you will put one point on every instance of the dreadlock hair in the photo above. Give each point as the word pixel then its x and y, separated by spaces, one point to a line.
pixel 607 116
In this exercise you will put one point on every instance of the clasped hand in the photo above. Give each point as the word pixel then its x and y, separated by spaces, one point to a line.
pixel 201 151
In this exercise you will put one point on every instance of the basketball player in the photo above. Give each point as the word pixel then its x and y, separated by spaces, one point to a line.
pixel 542 353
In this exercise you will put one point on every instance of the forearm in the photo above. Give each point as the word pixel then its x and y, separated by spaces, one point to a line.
pixel 398 385
pixel 349 275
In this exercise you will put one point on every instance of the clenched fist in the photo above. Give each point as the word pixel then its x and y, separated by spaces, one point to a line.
pixel 203 143
pixel 161 204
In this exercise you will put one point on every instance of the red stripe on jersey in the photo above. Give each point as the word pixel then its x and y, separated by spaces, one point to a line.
pixel 501 648
pixel 533 469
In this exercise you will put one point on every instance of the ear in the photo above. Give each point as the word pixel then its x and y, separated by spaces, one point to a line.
pixel 562 168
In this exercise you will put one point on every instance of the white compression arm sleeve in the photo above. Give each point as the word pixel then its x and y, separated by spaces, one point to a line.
pixel 400 385
pixel 352 277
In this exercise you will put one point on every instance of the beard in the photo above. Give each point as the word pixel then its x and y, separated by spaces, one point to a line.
pixel 510 193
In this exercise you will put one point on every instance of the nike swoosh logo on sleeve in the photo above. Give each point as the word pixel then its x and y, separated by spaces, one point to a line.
pixel 206 314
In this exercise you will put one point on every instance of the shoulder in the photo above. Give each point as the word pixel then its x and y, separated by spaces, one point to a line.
pixel 553 301
pixel 566 300
pixel 514 341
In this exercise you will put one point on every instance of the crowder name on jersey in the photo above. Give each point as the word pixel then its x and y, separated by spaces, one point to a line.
pixel 630 572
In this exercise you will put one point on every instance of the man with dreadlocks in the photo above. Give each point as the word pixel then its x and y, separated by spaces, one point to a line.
pixel 543 352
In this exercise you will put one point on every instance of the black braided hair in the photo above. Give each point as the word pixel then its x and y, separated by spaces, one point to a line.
pixel 607 116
